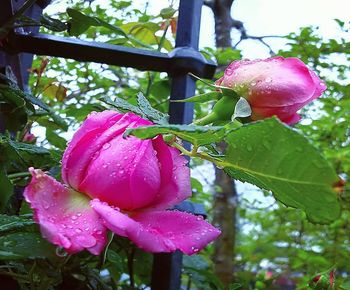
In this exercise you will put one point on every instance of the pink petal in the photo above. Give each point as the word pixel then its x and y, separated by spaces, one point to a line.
pixel 64 215
pixel 83 145
pixel 125 175
pixel 159 231
pixel 175 176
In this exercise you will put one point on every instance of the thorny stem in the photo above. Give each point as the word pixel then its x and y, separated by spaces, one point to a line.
pixel 202 155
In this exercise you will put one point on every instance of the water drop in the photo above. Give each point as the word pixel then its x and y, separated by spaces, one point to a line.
pixel 194 250
pixel 199 218
pixel 249 148
pixel 78 231
pixel 74 217
pixel 268 80
pixel 60 252
pixel 96 154
pixel 228 71
pixel 106 146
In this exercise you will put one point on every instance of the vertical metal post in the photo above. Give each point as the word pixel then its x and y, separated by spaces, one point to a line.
pixel 166 273
pixel 20 63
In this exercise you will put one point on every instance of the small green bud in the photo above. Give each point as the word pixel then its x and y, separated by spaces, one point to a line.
pixel 167 13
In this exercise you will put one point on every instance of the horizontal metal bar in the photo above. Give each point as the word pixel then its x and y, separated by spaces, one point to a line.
pixel 181 60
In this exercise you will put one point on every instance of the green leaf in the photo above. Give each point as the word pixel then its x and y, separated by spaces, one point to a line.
pixel 161 89
pixel 345 285
pixel 80 22
pixel 22 102
pixel 6 189
pixel 55 139
pixel 20 239
pixel 24 245
pixel 144 108
pixel 25 154
pixel 52 23
pixel 197 135
pixel 122 105
pixel 14 223
pixel 13 109
pixel 167 13
pixel 149 112
pixel 277 158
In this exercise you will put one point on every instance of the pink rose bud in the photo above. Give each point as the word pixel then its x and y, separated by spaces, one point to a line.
pixel 323 281
pixel 122 184
pixel 29 138
pixel 275 86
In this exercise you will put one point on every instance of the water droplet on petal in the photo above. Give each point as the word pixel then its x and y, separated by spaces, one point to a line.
pixel 106 146
pixel 268 80
pixel 78 231
pixel 194 249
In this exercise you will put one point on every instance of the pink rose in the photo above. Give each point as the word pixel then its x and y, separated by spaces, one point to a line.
pixel 124 185
pixel 274 86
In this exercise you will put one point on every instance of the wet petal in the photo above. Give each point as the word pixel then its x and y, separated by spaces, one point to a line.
pixel 159 231
pixel 175 176
pixel 64 215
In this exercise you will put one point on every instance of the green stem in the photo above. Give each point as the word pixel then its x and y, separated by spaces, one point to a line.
pixel 208 119
pixel 131 268
pixel 106 250
pixel 202 155
pixel 18 174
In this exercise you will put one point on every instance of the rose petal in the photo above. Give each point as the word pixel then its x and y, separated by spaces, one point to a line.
pixel 85 141
pixel 159 231
pixel 175 176
pixel 64 215
pixel 127 173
